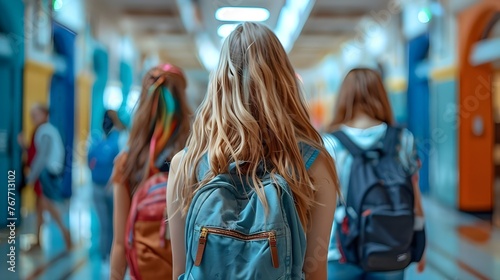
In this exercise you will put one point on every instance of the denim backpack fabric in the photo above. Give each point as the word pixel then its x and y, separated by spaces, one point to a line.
pixel 230 234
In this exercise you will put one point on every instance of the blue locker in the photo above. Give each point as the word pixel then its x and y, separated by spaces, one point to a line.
pixel 11 80
pixel 62 97
pixel 101 63
pixel 126 78
pixel 418 104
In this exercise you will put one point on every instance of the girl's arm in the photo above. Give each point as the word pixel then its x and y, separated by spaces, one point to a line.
pixel 419 210
pixel 318 235
pixel 410 157
pixel 419 215
pixel 175 220
pixel 121 207
pixel 39 162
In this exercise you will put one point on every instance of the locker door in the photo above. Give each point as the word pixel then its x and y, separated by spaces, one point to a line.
pixel 62 97
pixel 418 104
pixel 11 63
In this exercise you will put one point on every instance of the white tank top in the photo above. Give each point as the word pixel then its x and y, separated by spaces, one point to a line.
pixel 55 160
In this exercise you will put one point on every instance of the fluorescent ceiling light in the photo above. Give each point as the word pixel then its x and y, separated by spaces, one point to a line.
pixel 113 96
pixel 242 14
pixel 291 21
pixel 226 29
pixel 57 5
pixel 424 15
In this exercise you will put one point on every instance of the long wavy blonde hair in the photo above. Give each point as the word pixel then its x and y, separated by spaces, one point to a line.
pixel 254 110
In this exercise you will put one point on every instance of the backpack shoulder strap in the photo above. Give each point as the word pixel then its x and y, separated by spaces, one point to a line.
pixel 391 138
pixel 309 154
pixel 353 149
pixel 203 167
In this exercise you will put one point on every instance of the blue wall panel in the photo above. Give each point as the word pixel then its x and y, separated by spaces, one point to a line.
pixel 444 134
pixel 62 97
pixel 126 79
pixel 418 104
pixel 11 79
pixel 100 58
pixel 399 109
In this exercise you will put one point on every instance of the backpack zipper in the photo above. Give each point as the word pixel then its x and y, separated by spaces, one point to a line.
pixel 269 235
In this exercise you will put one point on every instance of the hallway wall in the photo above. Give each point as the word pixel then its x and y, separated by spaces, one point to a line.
pixel 443 166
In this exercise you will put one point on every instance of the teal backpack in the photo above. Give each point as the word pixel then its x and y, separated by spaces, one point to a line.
pixel 229 236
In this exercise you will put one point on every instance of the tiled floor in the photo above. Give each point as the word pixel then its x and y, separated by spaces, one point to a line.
pixel 460 246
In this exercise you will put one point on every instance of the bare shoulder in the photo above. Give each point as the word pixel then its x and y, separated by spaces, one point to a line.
pixel 325 181
pixel 320 170
pixel 176 160
pixel 173 191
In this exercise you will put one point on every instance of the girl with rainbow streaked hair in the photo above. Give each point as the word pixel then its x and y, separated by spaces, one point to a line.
pixel 159 130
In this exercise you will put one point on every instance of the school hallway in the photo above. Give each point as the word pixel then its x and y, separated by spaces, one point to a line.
pixel 460 246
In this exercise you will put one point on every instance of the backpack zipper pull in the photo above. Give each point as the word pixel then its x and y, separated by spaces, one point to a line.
pixel 274 249
pixel 201 246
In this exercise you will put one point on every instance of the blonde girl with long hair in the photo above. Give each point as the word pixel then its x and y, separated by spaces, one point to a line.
pixel 159 131
pixel 255 111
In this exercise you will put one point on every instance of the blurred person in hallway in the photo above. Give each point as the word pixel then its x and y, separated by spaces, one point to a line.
pixel 363 127
pixel 100 158
pixel 252 134
pixel 46 156
pixel 159 130
pixel 30 150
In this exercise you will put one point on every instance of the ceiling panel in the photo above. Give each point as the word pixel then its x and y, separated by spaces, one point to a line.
pixel 156 25
pixel 350 6
pixel 151 5
pixel 331 23
pixel 311 49
pixel 178 49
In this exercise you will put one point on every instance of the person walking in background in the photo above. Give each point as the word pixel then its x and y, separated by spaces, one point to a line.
pixel 101 156
pixel 47 167
pixel 30 156
pixel 378 168
pixel 159 130
pixel 253 194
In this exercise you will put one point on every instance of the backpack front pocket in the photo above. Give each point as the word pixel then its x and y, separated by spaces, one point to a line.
pixel 385 240
pixel 236 252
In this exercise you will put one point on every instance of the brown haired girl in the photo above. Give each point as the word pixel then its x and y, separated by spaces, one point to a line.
pixel 363 113
pixel 158 133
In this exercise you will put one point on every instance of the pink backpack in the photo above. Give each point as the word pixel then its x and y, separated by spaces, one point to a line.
pixel 148 249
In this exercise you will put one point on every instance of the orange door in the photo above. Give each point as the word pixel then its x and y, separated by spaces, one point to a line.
pixel 476 131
